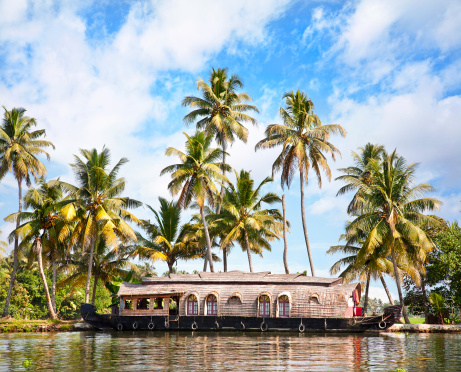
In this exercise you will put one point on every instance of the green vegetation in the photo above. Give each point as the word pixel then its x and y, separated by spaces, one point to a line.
pixel 76 243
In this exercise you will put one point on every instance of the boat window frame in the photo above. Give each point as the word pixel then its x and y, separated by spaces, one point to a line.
pixel 205 308
pixel 197 302
pixel 258 309
pixel 288 300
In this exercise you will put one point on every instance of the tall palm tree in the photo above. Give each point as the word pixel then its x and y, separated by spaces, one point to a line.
pixel 394 213
pixel 40 224
pixel 242 218
pixel 194 178
pixel 359 173
pixel 19 147
pixel 3 245
pixel 221 112
pixel 108 265
pixel 167 239
pixel 98 209
pixel 305 142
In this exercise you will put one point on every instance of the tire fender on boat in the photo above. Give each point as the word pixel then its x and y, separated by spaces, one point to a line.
pixel 135 325
pixel 302 328
pixel 382 324
pixel 119 326
pixel 151 326
pixel 194 326
pixel 263 327
pixel 217 324
pixel 243 326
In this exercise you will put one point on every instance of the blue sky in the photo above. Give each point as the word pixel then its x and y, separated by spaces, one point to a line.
pixel 113 73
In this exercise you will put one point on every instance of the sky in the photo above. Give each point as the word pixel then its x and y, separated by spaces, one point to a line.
pixel 113 73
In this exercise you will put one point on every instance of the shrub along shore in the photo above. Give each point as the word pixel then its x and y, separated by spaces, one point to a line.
pixel 40 325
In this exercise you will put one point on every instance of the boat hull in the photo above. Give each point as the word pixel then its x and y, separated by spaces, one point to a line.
pixel 236 323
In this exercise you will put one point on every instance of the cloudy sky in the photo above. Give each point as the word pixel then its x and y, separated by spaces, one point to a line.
pixel 113 73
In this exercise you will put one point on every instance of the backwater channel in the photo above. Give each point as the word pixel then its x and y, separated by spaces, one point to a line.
pixel 226 351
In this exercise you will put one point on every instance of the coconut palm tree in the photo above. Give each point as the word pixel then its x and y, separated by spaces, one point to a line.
pixel 108 265
pixel 221 112
pixel 305 142
pixel 98 209
pixel 243 220
pixel 394 213
pixel 168 240
pixel 40 225
pixel 19 147
pixel 358 173
pixel 3 245
pixel 194 178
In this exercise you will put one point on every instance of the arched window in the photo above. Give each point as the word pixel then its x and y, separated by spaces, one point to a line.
pixel 284 307
pixel 211 305
pixel 192 305
pixel 314 299
pixel 264 305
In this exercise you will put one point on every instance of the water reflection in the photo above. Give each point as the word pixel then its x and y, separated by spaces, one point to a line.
pixel 173 351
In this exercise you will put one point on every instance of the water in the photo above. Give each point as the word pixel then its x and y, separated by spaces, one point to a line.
pixel 189 351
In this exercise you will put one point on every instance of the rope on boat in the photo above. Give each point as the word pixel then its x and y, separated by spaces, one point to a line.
pixel 301 327
pixel 119 326
pixel 243 326
pixel 217 324
pixel 194 326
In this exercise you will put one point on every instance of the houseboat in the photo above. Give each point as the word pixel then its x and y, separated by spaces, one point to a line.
pixel 241 301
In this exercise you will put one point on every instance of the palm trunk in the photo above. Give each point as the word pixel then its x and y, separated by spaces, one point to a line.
pixel 391 301
pixel 170 267
pixel 208 241
pixel 15 256
pixel 205 263
pixel 365 302
pixel 95 286
pixel 397 282
pixel 423 290
pixel 285 243
pixel 90 267
pixel 218 210
pixel 53 282
pixel 303 215
pixel 38 249
pixel 247 243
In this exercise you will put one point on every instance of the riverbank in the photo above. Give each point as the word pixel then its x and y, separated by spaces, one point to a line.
pixel 40 325
pixel 425 328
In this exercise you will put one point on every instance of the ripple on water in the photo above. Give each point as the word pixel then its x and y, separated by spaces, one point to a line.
pixel 188 351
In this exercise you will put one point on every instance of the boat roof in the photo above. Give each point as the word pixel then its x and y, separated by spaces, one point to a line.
pixel 243 277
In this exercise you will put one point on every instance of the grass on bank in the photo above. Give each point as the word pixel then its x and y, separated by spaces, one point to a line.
pixel 24 325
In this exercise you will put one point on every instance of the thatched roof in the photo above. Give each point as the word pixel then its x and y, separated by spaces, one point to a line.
pixel 243 277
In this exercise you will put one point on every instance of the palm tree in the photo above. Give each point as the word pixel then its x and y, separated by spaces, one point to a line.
pixel 194 177
pixel 359 173
pixel 305 142
pixel 220 112
pixel 108 265
pixel 242 218
pixel 99 210
pixel 40 226
pixel 19 147
pixel 393 214
pixel 168 240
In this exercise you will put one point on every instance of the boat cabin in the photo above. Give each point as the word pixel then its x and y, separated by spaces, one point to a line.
pixel 238 293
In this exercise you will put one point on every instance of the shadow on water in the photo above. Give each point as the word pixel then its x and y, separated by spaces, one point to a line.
pixel 251 351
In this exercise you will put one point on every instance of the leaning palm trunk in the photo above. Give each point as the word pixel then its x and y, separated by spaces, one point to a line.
pixel 247 243
pixel 391 301
pixel 303 215
pixel 15 257
pixel 218 210
pixel 365 302
pixel 38 250
pixel 208 241
pixel 95 286
pixel 285 244
pixel 88 277
pixel 53 282
pixel 397 282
